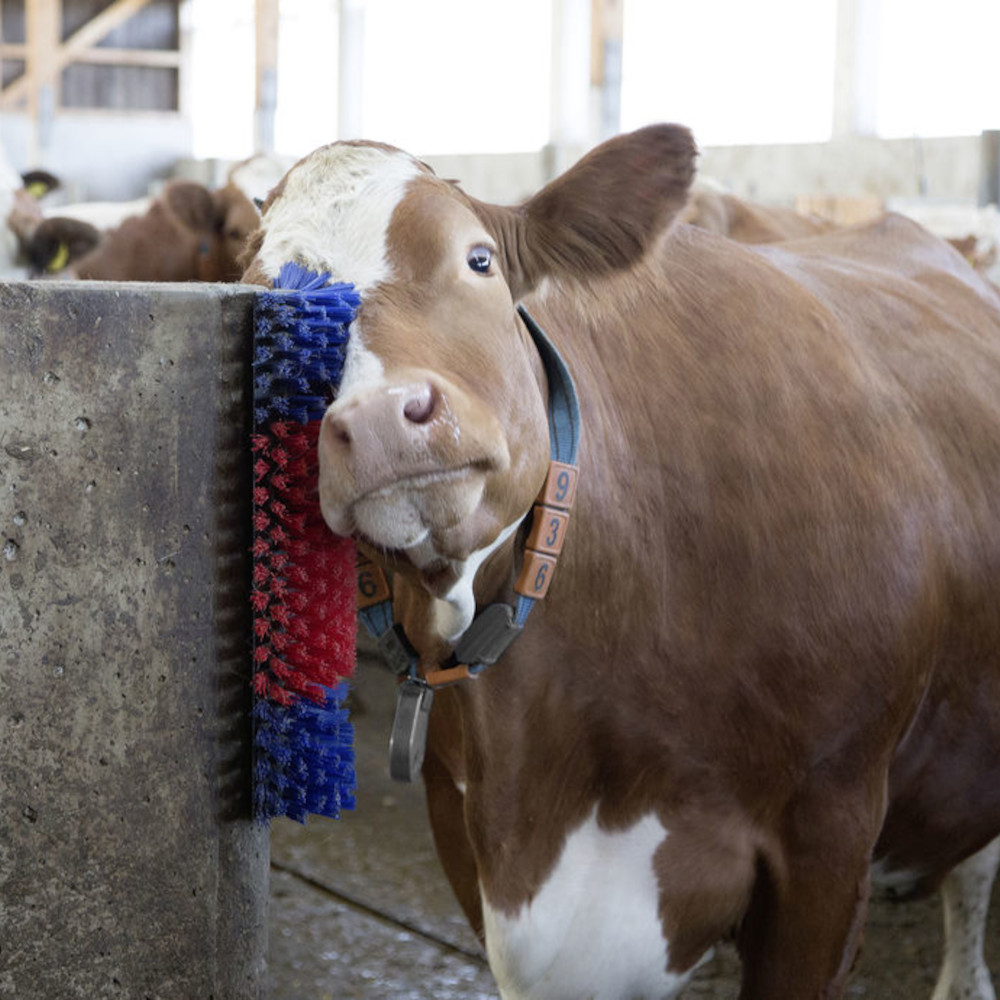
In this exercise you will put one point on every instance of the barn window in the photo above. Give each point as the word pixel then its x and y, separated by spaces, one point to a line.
pixel 129 63
pixel 736 72
pixel 936 75
pixel 449 76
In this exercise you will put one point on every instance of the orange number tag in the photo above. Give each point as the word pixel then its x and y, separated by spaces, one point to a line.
pixel 373 588
pixel 559 488
pixel 536 574
pixel 548 529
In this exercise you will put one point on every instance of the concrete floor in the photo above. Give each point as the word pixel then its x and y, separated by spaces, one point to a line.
pixel 360 907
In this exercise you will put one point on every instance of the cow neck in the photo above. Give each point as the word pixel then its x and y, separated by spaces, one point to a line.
pixel 495 627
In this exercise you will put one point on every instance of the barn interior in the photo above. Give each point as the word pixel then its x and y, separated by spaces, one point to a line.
pixel 835 109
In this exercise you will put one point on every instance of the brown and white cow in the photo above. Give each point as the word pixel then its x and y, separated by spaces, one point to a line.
pixel 187 233
pixel 769 662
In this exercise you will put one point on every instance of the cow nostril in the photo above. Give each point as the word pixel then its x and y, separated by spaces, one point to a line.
pixel 420 407
pixel 338 430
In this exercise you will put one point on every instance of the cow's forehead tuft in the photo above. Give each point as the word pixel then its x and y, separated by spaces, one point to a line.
pixel 333 211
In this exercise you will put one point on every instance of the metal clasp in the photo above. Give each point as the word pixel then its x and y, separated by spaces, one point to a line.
pixel 408 740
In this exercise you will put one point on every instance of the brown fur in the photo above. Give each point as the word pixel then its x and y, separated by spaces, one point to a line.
pixel 188 234
pixel 776 621
pixel 743 221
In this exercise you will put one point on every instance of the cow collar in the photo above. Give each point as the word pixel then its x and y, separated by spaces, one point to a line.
pixel 497 625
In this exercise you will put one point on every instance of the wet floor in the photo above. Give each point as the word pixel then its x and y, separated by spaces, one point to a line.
pixel 360 907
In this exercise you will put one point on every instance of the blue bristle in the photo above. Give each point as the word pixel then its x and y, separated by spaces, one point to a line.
pixel 304 758
pixel 301 329
pixel 304 752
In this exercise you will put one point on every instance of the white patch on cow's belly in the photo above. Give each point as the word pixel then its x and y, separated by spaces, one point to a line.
pixel 593 928
pixel 333 214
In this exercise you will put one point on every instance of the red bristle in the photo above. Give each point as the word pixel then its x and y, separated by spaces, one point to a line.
pixel 304 576
pixel 281 613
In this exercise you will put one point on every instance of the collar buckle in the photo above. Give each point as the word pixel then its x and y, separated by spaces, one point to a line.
pixel 489 635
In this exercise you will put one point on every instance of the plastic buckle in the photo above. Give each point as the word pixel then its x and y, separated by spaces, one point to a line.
pixel 488 637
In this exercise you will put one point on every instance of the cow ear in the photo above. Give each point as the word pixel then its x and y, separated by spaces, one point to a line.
pixel 603 213
pixel 192 204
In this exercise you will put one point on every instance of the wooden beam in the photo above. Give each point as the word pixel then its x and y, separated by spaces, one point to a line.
pixel 69 51
pixel 130 57
pixel 41 81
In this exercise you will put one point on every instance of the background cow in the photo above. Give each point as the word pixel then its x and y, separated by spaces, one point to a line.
pixel 771 654
pixel 723 213
pixel 187 233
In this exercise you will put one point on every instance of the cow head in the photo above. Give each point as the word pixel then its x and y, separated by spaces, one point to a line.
pixel 437 443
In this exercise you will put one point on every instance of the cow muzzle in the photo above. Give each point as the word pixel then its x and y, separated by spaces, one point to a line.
pixel 407 460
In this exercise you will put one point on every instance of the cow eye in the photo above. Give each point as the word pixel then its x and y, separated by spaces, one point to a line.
pixel 479 259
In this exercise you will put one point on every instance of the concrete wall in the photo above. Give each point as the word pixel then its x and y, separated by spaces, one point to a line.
pixel 946 169
pixel 128 865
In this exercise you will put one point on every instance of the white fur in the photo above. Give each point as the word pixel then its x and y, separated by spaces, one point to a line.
pixel 8 241
pixel 901 881
pixel 102 215
pixel 593 929
pixel 454 614
pixel 362 368
pixel 965 894
pixel 334 212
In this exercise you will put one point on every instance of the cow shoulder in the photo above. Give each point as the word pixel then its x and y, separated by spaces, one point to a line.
pixel 602 214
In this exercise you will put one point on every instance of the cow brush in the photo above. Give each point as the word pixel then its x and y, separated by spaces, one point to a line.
pixel 303 592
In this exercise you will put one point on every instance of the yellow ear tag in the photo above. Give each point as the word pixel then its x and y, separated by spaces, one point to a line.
pixel 59 259
pixel 38 189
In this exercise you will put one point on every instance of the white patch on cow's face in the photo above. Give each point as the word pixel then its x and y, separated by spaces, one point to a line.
pixel 593 929
pixel 333 214
pixel 362 368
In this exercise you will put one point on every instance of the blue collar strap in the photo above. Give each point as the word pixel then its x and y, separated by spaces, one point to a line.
pixel 497 625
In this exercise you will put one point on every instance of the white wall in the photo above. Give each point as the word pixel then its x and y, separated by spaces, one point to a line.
pixel 850 166
pixel 103 156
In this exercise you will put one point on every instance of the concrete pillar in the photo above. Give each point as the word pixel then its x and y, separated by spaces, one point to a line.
pixel 266 26
pixel 570 133
pixel 855 85
pixel 350 70
pixel 606 28
pixel 128 864
pixel 989 168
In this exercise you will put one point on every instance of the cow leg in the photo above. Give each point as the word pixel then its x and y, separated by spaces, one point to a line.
pixel 804 925
pixel 442 774
pixel 965 894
